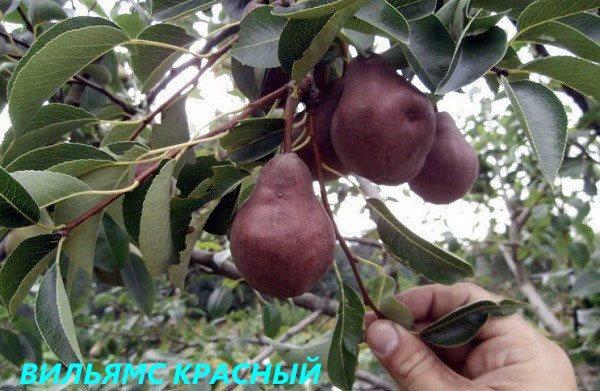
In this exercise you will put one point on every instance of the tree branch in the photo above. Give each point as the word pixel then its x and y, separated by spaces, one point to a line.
pixel 25 19
pixel 211 43
pixel 111 96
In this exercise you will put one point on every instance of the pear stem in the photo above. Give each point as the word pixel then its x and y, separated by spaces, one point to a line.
pixel 352 258
pixel 291 104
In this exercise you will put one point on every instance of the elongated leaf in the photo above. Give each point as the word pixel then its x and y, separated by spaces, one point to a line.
pixel 299 353
pixel 413 10
pixel 463 324
pixel 54 319
pixel 47 126
pixel 139 282
pixel 382 15
pixel 11 347
pixel 81 243
pixel 585 22
pixel 64 48
pixel 311 9
pixel 430 50
pixel 304 42
pixel 48 188
pixel 156 244
pixel 43 158
pixel 258 39
pixel 113 245
pixel 178 273
pixel 577 73
pixel 475 55
pixel 253 139
pixel 543 11
pixel 347 335
pixel 150 63
pixel 171 9
pixel 544 121
pixel 271 318
pixel 564 36
pixel 17 207
pixel 23 266
pixel 388 305
pixel 416 253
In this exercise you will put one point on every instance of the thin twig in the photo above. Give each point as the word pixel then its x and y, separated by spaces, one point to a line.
pixel 290 110
pixel 211 43
pixel 25 20
pixel 115 99
pixel 150 117
pixel 352 259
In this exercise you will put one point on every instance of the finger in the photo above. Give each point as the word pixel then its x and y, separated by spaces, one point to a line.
pixel 412 364
pixel 430 302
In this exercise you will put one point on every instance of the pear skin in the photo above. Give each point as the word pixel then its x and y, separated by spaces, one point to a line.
pixel 282 239
pixel 323 113
pixel 383 126
pixel 451 167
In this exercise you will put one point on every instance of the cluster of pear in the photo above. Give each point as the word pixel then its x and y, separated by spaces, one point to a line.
pixel 371 122
pixel 374 123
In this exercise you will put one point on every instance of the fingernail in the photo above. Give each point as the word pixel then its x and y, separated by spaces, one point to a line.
pixel 382 337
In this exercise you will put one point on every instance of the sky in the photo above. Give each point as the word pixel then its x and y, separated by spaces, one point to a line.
pixel 466 220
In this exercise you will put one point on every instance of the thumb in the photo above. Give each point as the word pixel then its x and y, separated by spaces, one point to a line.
pixel 411 363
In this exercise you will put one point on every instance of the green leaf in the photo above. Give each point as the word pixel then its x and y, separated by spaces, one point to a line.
pixel 587 284
pixel 132 23
pixel 219 302
pixel 23 266
pixel 585 22
pixel 139 283
pixel 543 11
pixel 173 129
pixel 384 16
pixel 253 139
pixel 563 36
pixel 461 325
pixel 116 240
pixel 271 318
pixel 304 42
pixel 388 305
pixel 17 207
pixel 430 50
pixel 258 39
pixel 423 257
pixel 150 63
pixel 10 347
pixel 577 73
pixel 544 121
pixel 66 48
pixel 54 319
pixel 413 10
pixel 178 273
pixel 81 243
pixel 579 253
pixel 347 335
pixel 47 188
pixel 171 9
pixel 132 210
pixel 156 244
pixel 46 157
pixel 41 11
pixel 47 126
pixel 474 56
pixel 311 9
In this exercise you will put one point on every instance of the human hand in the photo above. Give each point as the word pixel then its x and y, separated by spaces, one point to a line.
pixel 507 353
